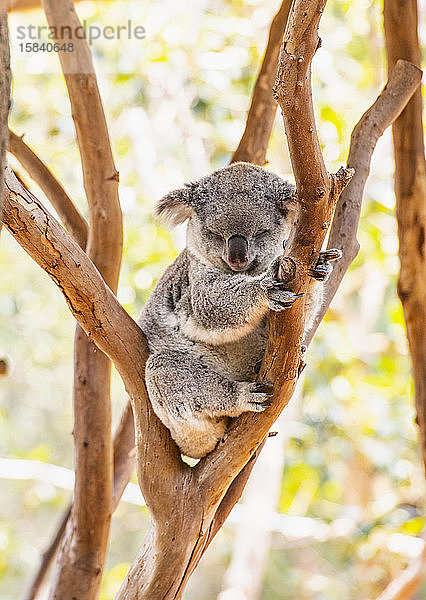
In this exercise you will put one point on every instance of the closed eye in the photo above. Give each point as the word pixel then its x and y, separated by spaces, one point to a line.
pixel 216 235
pixel 260 233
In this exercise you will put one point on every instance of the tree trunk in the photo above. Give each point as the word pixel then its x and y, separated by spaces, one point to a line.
pixel 4 96
pixel 400 18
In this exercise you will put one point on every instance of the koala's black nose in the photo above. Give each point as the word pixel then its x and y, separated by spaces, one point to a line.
pixel 237 252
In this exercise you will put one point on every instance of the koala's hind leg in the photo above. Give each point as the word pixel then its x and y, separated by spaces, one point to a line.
pixel 193 400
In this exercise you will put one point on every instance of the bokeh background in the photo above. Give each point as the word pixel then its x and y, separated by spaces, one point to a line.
pixel 351 490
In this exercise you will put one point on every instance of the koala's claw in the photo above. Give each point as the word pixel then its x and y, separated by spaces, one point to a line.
pixel 257 396
pixel 322 269
pixel 273 284
pixel 331 254
pixel 263 387
pixel 321 272
pixel 259 405
pixel 283 299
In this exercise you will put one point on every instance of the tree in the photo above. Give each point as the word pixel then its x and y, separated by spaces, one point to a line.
pixel 214 485
pixel 4 91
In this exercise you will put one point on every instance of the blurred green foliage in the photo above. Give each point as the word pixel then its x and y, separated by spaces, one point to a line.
pixel 176 103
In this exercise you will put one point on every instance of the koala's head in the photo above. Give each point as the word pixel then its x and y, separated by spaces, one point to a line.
pixel 238 216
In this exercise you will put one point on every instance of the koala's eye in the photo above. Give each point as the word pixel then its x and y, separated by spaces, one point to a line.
pixel 261 233
pixel 215 235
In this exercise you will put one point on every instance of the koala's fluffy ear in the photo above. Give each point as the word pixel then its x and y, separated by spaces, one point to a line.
pixel 176 206
pixel 285 198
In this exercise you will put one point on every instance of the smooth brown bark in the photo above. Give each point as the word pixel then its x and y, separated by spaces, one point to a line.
pixel 54 191
pixel 124 465
pixel 82 556
pixel 260 118
pixel 15 5
pixel 400 19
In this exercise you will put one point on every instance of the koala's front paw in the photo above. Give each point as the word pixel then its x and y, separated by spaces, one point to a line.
pixel 323 268
pixel 257 396
pixel 278 298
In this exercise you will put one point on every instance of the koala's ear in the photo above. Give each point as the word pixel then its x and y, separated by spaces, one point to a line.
pixel 285 199
pixel 176 206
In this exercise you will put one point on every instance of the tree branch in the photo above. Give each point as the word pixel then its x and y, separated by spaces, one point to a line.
pixel 260 118
pixel 318 193
pixel 124 465
pixel 403 82
pixel 4 95
pixel 407 583
pixel 54 191
pixel 88 297
pixel 165 481
pixel 252 148
pixel 404 79
pixel 91 511
pixel 400 20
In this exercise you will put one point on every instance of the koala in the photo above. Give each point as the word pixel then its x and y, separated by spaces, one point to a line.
pixel 206 321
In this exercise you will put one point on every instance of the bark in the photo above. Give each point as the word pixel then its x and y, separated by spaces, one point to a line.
pixel 54 191
pixel 244 576
pixel 189 505
pixel 408 582
pixel 4 95
pixel 252 148
pixel 400 19
pixel 15 5
pixel 260 119
pixel 82 555
pixel 124 465
pixel 404 79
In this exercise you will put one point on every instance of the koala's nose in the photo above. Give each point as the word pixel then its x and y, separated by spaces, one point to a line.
pixel 237 252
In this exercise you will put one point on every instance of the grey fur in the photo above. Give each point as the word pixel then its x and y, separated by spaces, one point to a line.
pixel 205 322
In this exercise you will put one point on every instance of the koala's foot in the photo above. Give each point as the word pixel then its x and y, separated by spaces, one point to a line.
pixel 323 268
pixel 255 397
